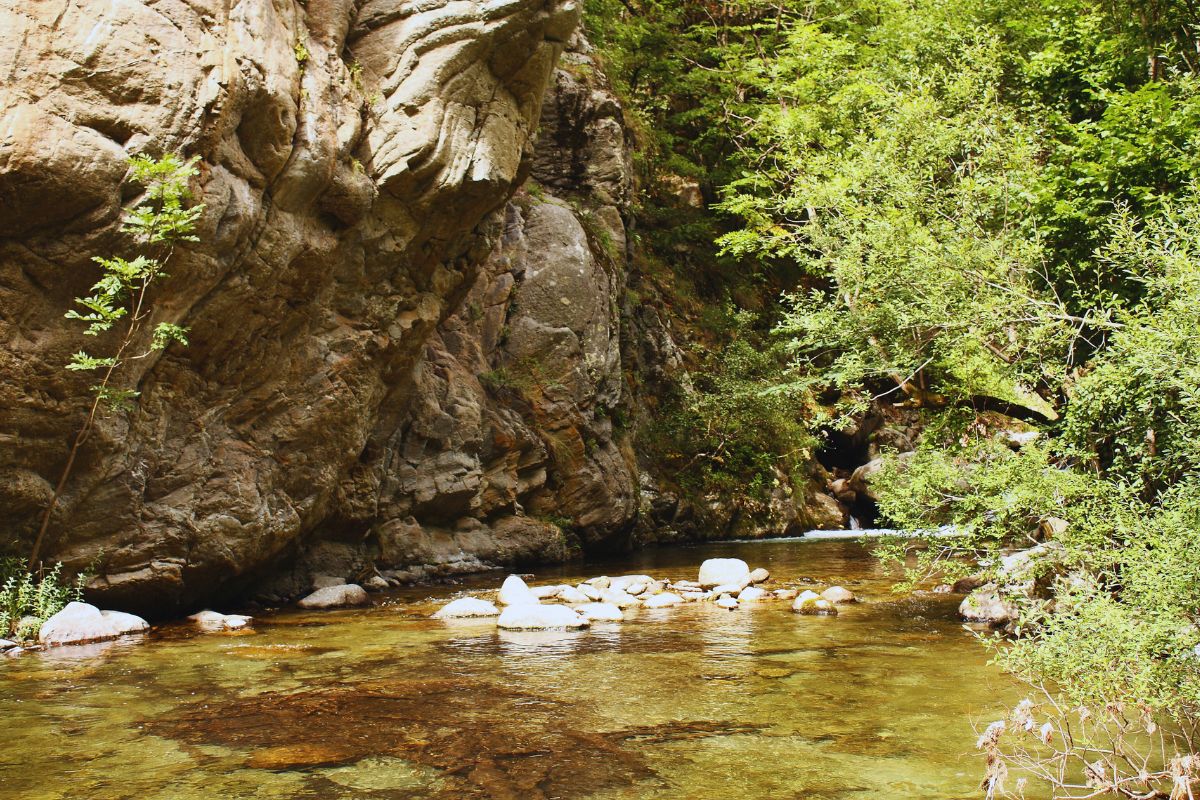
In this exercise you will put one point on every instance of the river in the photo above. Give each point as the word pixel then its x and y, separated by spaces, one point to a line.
pixel 381 703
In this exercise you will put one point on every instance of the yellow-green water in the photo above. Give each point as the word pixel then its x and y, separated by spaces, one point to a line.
pixel 686 702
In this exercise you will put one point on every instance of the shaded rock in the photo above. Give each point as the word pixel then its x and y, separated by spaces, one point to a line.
pixel 526 616
pixel 466 607
pixel 839 594
pixel 214 621
pixel 662 600
pixel 718 571
pixel 80 623
pixel 348 594
pixel 376 583
pixel 600 612
pixel 325 581
pixel 514 592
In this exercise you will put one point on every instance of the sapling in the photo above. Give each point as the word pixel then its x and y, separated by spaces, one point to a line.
pixel 120 299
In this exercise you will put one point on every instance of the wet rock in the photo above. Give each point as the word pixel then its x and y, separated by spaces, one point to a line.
pixel 751 594
pixel 213 621
pixel 839 595
pixel 524 616
pixel 600 612
pixel 80 623
pixel 466 607
pixel 514 592
pixel 347 594
pixel 662 600
pixel 759 575
pixel 786 594
pixel 725 601
pixel 718 571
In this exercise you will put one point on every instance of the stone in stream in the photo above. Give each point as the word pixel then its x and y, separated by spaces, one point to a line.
pixel 376 583
pixel 786 594
pixel 213 621
pixel 600 612
pixel 662 600
pixel 80 623
pixel 809 602
pixel 635 589
pixel 572 596
pixel 602 582
pixel 465 607
pixel 528 616
pixel 839 594
pixel 589 591
pixel 751 594
pixel 728 588
pixel 618 598
pixel 6 644
pixel 722 571
pixel 546 592
pixel 692 597
pixel 514 592
pixel 625 581
pixel 759 575
pixel 725 601
pixel 347 594
pixel 986 605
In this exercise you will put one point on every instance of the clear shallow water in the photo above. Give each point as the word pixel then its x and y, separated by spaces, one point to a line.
pixel 686 702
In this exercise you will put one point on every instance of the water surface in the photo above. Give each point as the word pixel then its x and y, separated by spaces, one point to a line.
pixel 382 703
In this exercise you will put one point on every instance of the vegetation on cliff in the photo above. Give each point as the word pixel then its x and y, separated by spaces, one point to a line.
pixel 988 210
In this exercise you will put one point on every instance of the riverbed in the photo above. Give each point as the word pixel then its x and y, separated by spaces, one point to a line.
pixel 381 703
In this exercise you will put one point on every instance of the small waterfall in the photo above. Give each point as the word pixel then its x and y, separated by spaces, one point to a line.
pixel 855 525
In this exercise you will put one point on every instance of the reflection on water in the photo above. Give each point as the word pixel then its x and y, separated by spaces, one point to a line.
pixel 684 702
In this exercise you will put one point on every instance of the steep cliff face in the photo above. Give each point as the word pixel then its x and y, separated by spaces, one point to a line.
pixel 356 158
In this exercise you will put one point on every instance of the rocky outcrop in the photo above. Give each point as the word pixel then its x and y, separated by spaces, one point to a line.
pixel 352 158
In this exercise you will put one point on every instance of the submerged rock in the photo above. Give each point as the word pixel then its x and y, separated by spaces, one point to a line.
pixel 514 592
pixel 347 594
pixel 80 623
pixel 600 612
pixel 525 616
pixel 719 571
pixel 839 594
pixel 465 607
pixel 662 600
pixel 213 621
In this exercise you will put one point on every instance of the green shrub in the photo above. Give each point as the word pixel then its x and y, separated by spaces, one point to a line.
pixel 32 597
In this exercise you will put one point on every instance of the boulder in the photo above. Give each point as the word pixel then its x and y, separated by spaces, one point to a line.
pixel 635 588
pixel 603 582
pixel 376 583
pixel 467 607
pixel 728 588
pixel 751 594
pixel 810 602
pixel 618 599
pixel 514 592
pixel 662 600
pixel 6 644
pixel 600 612
pixel 759 575
pixel 80 623
pixel 723 571
pixel 786 594
pixel 572 596
pixel 624 582
pixel 529 616
pixel 692 597
pixel 588 591
pixel 725 601
pixel 214 621
pixel 325 581
pixel 986 605
pixel 347 594
pixel 546 592
pixel 838 595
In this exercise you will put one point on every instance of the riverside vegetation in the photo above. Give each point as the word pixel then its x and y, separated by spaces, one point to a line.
pixel 992 212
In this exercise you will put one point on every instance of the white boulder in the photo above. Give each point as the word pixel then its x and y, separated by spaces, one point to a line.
pixel 618 598
pixel 530 616
pixel 214 621
pixel 600 612
pixel 347 594
pixel 514 592
pixel 588 591
pixel 751 594
pixel 80 623
pixel 545 592
pixel 725 601
pixel 809 602
pixel 662 600
pixel 728 588
pixel 759 575
pixel 839 594
pixel 572 596
pixel 625 581
pixel 723 571
pixel 467 607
